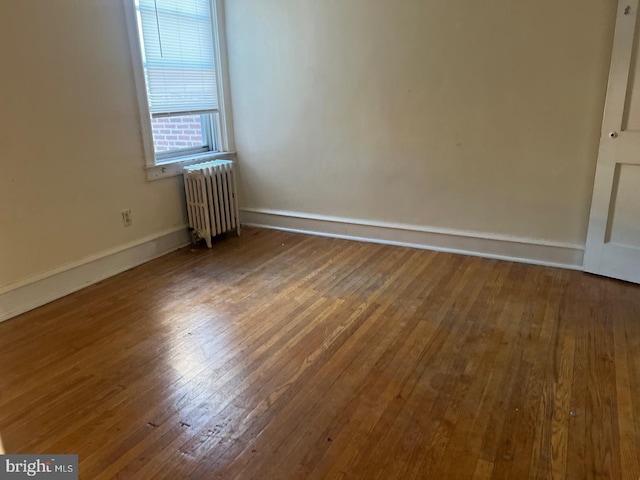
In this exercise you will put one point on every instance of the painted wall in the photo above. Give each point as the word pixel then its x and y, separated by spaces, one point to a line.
pixel 466 115
pixel 481 116
pixel 70 148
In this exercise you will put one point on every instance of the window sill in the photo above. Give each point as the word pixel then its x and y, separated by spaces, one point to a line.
pixel 174 167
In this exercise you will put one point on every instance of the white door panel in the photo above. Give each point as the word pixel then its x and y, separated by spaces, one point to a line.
pixel 628 147
pixel 613 239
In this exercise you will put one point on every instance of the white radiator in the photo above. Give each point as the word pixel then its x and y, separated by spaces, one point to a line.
pixel 212 202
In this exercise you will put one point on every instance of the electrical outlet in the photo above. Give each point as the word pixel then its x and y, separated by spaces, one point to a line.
pixel 127 219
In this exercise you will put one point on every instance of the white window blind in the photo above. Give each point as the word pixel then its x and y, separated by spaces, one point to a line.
pixel 179 60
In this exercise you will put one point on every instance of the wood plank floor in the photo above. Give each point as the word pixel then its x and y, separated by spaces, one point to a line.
pixel 284 356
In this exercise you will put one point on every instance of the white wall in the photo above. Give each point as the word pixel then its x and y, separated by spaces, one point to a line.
pixel 70 149
pixel 466 115
pixel 462 115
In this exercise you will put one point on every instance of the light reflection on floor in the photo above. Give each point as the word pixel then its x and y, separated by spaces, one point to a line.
pixel 191 344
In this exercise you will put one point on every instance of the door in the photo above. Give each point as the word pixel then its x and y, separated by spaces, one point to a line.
pixel 613 239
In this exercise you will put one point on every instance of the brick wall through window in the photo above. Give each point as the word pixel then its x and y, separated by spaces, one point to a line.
pixel 173 133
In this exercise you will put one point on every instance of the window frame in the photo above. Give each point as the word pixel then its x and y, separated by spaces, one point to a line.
pixel 221 131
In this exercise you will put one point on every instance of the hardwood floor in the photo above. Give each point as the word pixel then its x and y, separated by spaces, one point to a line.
pixel 283 356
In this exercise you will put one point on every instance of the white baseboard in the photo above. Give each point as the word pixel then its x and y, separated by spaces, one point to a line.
pixel 503 247
pixel 36 291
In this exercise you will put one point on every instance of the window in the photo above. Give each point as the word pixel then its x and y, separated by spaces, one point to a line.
pixel 176 53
